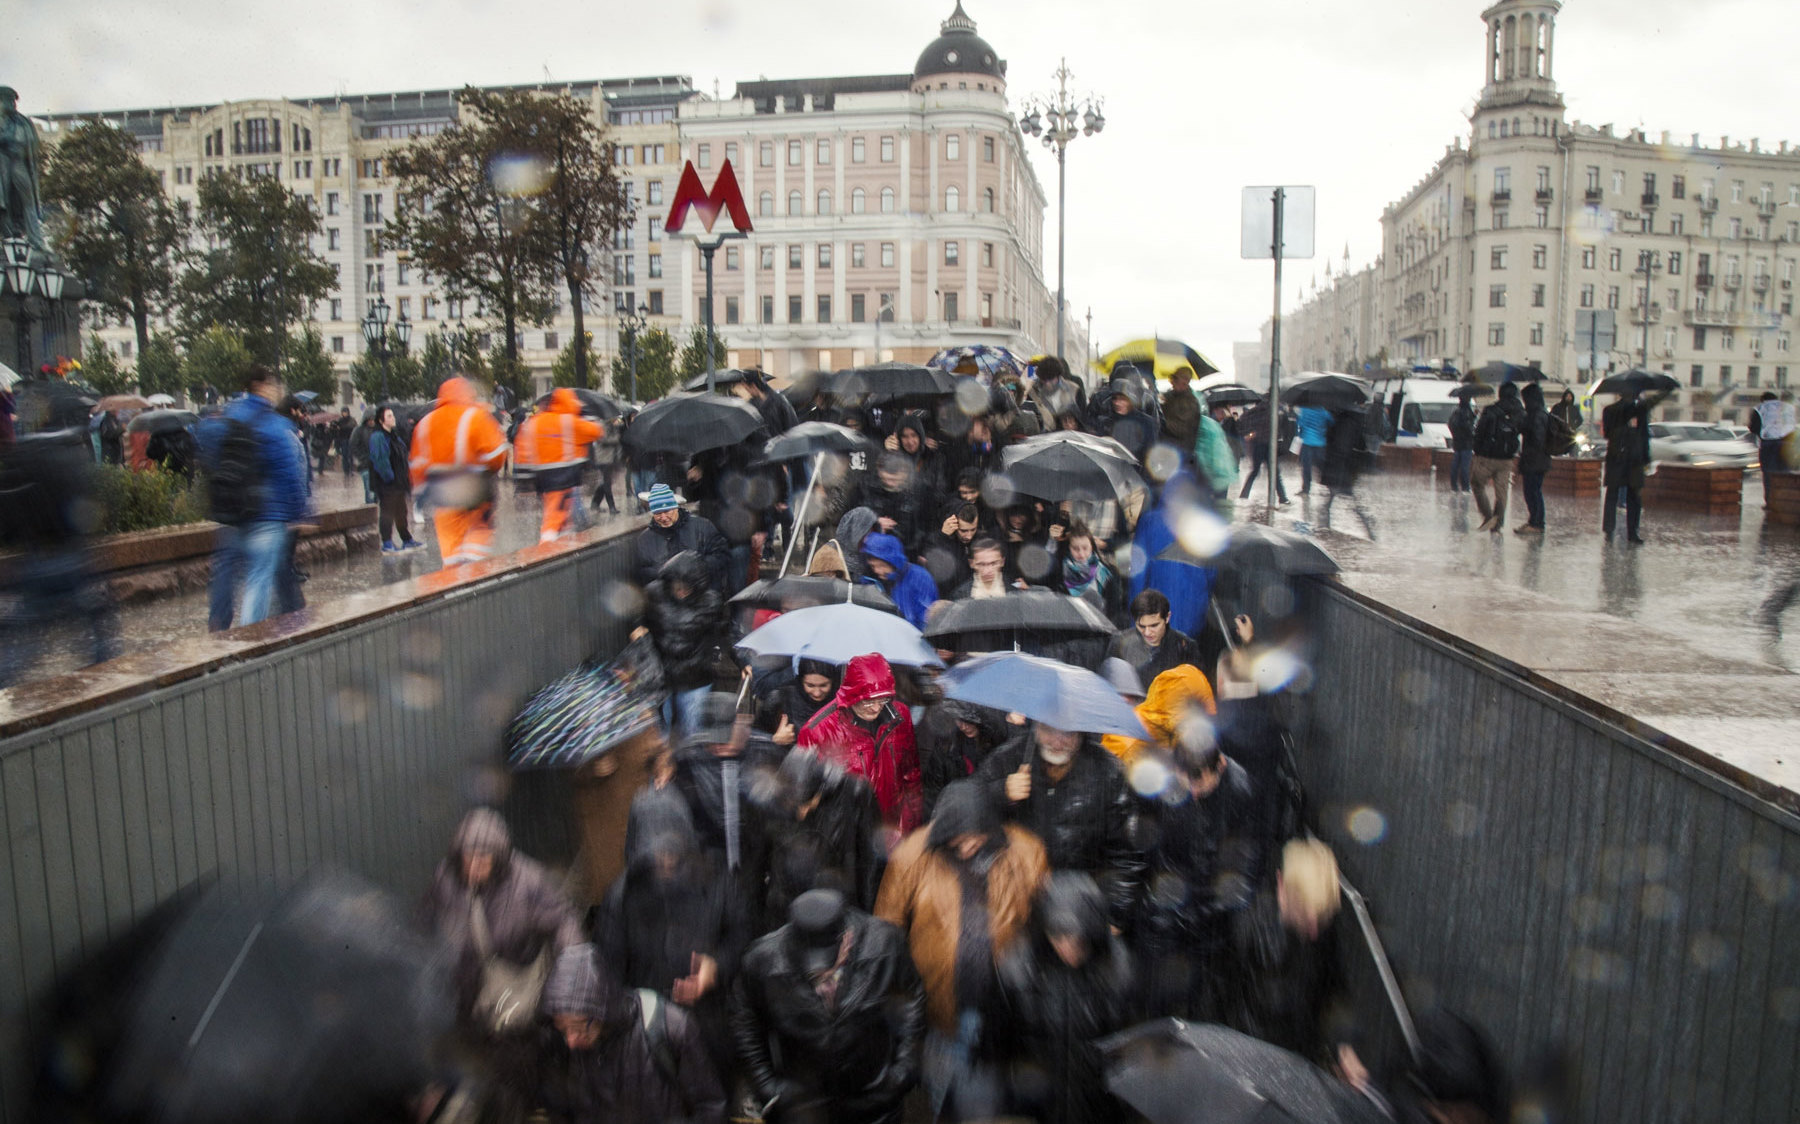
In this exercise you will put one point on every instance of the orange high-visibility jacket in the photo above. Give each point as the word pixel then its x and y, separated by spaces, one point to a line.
pixel 459 436
pixel 557 437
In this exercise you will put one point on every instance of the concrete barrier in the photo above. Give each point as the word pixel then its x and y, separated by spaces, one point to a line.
pixel 1705 491
pixel 1784 498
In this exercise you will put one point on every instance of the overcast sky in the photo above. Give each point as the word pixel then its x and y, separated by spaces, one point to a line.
pixel 1356 97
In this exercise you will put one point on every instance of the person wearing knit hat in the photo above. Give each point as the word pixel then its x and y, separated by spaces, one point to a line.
pixel 673 530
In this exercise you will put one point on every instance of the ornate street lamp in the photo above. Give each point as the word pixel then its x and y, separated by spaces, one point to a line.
pixel 23 279
pixel 1059 120
pixel 633 321
pixel 374 329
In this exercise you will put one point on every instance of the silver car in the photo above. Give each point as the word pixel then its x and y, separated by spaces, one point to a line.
pixel 1700 444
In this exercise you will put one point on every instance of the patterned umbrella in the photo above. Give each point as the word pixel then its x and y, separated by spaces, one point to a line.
pixel 1159 355
pixel 989 361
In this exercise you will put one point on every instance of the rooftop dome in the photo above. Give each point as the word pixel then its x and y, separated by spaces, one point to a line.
pixel 958 50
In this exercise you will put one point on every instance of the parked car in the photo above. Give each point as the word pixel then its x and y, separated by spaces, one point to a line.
pixel 1701 444
pixel 1741 432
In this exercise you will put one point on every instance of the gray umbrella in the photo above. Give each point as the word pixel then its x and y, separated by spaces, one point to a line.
pixel 1256 546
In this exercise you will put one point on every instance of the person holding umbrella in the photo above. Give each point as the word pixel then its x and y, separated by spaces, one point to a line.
pixel 870 733
pixel 1496 444
pixel 1626 427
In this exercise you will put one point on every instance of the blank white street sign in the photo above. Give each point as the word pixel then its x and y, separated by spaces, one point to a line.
pixel 1296 222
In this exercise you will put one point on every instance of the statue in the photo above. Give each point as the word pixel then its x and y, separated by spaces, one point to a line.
pixel 20 165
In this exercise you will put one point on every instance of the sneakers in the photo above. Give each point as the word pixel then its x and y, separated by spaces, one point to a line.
pixel 1527 529
pixel 389 548
pixel 1486 524
pixel 412 544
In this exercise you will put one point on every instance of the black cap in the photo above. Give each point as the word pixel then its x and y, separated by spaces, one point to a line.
pixel 817 917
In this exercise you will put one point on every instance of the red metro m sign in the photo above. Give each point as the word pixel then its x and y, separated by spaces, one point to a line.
pixel 724 196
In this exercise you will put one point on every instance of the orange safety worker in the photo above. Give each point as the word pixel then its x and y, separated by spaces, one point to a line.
pixel 456 451
pixel 552 445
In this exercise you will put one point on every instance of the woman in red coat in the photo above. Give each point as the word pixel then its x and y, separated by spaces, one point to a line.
pixel 870 733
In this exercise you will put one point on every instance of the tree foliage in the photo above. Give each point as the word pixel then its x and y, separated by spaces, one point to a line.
pixel 261 274
pixel 159 367
pixel 113 225
pixel 655 364
pixel 405 376
pixel 102 372
pixel 217 359
pixel 693 354
pixel 510 374
pixel 306 366
pixel 578 367
pixel 437 359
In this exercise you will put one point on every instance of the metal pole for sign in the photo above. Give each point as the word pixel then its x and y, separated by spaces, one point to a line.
pixel 1275 365
pixel 712 373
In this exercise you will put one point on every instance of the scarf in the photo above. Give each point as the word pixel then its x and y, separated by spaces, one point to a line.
pixel 1079 578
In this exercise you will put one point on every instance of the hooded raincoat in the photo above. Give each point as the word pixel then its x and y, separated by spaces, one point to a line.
pixel 883 751
pixel 910 586
pixel 1164 706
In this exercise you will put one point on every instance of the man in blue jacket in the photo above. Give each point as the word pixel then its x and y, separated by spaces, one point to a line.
pixel 258 493
pixel 1313 423
pixel 910 586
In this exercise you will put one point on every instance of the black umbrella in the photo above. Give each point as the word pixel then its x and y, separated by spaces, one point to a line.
pixel 1071 465
pixel 315 1003
pixel 1260 547
pixel 811 438
pixel 1037 612
pixel 1233 396
pixel 1470 390
pixel 1198 1073
pixel 802 591
pixel 593 403
pixel 1329 392
pixel 692 423
pixel 1498 372
pixel 1637 381
pixel 885 383
pixel 722 378
pixel 161 421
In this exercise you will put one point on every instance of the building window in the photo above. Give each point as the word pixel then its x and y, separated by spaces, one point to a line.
pixel 653 193
pixel 655 264
pixel 951 256
pixel 765 154
pixel 332 241
pixel 1612 296
pixel 857 257
pixel 887 150
pixel 1590 257
pixel 987 255
pixel 1675 224
pixel 656 302
pixel 337 342
pixel 731 309
pixel 1753 377
pixel 768 310
pixel 1737 191
pixel 552 343
pixel 765 205
pixel 1502 182
pixel 731 151
pixel 1699 339
pixel 1674 262
pixel 796 309
pixel 1540 257
pixel 858 308
pixel 859 201
pixel 768 257
pixel 987 150
pixel 1500 220
pixel 824 255
pixel 824 202
pixel 1737 229
pixel 952 199
pixel 1593 179
pixel 887 255
pixel 887 200
pixel 703 155
pixel 796 256
pixel 1696 374
pixel 1537 333
pixel 1496 334
pixel 796 154
pixel 337 306
pixel 823 155
pixel 953 147
pixel 859 150
pixel 1537 296
pixel 1678 187
pixel 824 308
pixel 1496 296
pixel 1781 344
pixel 950 307
pixel 372 208
pixel 1587 296
pixel 1542 216
pixel 656 230
pixel 1728 339
pixel 796 203
pixel 733 258
pixel 1615 259
pixel 1497 258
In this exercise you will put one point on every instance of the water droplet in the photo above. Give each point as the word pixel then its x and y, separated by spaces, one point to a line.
pixel 1367 826
pixel 1463 819
pixel 1149 776
pixel 1709 952
pixel 1162 462
pixel 1201 533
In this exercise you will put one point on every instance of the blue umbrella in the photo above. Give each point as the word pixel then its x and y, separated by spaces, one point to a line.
pixel 838 634
pixel 1069 698
pixel 989 359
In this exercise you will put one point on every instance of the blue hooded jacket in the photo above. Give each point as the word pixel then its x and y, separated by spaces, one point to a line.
pixel 911 586
pixel 1188 588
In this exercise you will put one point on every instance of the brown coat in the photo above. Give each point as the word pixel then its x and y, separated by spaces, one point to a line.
pixel 923 896
pixel 603 809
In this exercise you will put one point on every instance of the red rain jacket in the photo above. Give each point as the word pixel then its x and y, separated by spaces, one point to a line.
pixel 886 754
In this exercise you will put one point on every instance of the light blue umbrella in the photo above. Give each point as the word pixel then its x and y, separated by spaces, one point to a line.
pixel 838 634
pixel 1047 691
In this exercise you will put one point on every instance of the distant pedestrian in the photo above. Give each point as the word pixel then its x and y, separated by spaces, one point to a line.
pixel 1181 413
pixel 1344 454
pixel 552 445
pixel 1496 444
pixel 1314 422
pixel 1253 426
pixel 1771 424
pixel 1462 445
pixel 1626 426
pixel 457 450
pixel 359 452
pixel 389 473
pixel 1567 409
pixel 1534 458
pixel 341 431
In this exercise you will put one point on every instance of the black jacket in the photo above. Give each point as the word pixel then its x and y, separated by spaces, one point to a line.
pixel 689 631
pixel 1084 820
pixel 1199 863
pixel 656 546
pixel 1462 427
pixel 1344 451
pixel 1282 980
pixel 946 754
pixel 849 1062
pixel 1534 442
pixel 833 848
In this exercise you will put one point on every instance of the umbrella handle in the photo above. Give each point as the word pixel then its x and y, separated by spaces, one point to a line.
pixel 800 516
pixel 1224 627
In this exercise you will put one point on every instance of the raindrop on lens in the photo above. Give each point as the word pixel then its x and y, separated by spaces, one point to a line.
pixel 1201 533
pixel 1367 826
pixel 971 398
pixel 622 599
pixel 1463 819
pixel 1162 462
pixel 1150 777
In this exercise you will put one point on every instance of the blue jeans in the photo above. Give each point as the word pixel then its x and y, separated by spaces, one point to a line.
pixel 1534 498
pixel 681 711
pixel 1460 463
pixel 254 553
pixel 1310 455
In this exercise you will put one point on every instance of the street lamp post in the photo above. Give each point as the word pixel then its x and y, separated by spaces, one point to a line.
pixel 25 278
pixel 633 320
pixel 1060 120
pixel 374 329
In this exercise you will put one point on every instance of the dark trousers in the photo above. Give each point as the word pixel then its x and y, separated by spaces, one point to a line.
pixel 394 514
pixel 1534 497
pixel 1768 455
pixel 1461 461
pixel 1634 509
pixel 1259 456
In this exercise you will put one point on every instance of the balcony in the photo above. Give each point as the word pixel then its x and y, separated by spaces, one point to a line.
pixel 1545 194
pixel 1502 197
pixel 1655 316
pixel 1765 208
pixel 1709 204
pixel 1731 318
pixel 1760 283
pixel 1595 195
pixel 1649 199
pixel 1734 281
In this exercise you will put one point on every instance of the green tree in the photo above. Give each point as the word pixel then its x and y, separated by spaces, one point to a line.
pixel 159 367
pixel 655 364
pixel 261 274
pixel 577 366
pixel 405 376
pixel 693 355
pixel 437 360
pixel 113 225
pixel 102 372
pixel 505 372
pixel 306 366
pixel 218 358
pixel 467 212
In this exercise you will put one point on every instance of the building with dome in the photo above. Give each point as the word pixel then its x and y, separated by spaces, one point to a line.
pixel 1532 221
pixel 894 214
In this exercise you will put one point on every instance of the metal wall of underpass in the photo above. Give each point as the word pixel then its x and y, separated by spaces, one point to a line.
pixel 1552 871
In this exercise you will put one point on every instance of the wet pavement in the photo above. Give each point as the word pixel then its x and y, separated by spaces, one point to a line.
pixel 1668 632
